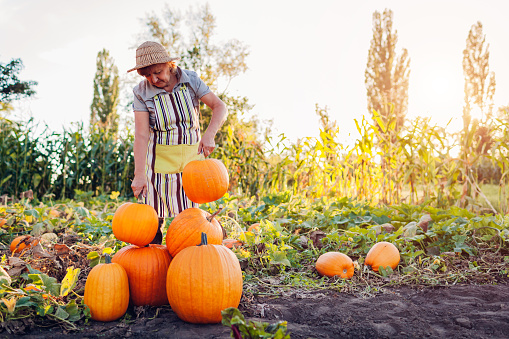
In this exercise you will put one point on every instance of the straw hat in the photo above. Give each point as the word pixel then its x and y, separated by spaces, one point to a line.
pixel 151 53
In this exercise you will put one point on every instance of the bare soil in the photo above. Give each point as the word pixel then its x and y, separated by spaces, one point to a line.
pixel 459 311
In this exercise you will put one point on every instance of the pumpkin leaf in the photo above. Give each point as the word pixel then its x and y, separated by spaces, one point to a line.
pixel 69 281
pixel 50 284
pixel 60 313
pixel 279 258
pixel 410 229
pixel 73 310
pixel 385 271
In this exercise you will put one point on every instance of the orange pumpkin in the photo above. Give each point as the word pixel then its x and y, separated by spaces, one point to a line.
pixel 382 254
pixel 185 230
pixel 202 281
pixel 255 228
pixel 333 264
pixel 146 268
pixel 232 243
pixel 2 222
pixel 107 291
pixel 135 223
pixel 22 243
pixel 205 180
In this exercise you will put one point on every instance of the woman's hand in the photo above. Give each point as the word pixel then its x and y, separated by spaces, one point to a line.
pixel 139 185
pixel 219 112
pixel 207 144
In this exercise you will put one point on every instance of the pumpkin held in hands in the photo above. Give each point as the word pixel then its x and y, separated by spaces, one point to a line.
pixel 382 254
pixel 185 230
pixel 146 268
pixel 333 264
pixel 135 223
pixel 202 281
pixel 205 180
pixel 107 291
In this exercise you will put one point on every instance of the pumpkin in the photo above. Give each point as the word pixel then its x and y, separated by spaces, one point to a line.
pixel 205 180
pixel 186 227
pixel 255 228
pixel 382 254
pixel 107 291
pixel 202 281
pixel 2 222
pixel 333 264
pixel 134 223
pixel 146 268
pixel 22 243
pixel 232 243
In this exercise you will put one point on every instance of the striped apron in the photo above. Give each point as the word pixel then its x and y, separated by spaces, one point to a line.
pixel 173 142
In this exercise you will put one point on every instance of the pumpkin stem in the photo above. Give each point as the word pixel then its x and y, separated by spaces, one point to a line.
pixel 203 239
pixel 210 217
pixel 108 259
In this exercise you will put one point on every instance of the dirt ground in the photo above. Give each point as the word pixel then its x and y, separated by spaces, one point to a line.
pixel 467 311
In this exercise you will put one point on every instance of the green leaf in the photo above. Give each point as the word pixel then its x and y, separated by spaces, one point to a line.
pixel 61 313
pixel 410 229
pixel 42 311
pixel 279 257
pixel 73 310
pixel 25 302
pixel 92 255
pixel 69 281
pixel 50 284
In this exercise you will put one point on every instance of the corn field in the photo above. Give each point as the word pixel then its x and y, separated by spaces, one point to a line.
pixel 419 164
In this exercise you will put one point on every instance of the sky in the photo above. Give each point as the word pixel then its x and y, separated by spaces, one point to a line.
pixel 302 54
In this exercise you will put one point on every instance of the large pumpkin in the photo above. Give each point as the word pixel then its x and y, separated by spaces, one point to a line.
pixel 205 180
pixel 135 223
pixel 107 291
pixel 185 230
pixel 382 254
pixel 202 281
pixel 146 268
pixel 333 264
pixel 22 243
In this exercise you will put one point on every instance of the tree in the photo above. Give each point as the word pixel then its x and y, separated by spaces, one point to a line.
pixel 103 113
pixel 476 136
pixel 216 64
pixel 479 82
pixel 386 75
pixel 11 88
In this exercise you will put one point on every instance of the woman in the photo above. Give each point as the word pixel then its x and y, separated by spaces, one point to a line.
pixel 167 130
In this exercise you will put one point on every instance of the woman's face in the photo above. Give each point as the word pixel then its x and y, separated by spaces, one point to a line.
pixel 158 75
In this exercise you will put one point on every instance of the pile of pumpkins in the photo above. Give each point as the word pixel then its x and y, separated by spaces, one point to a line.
pixel 194 272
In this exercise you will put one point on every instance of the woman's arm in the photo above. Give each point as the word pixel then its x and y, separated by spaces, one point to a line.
pixel 219 113
pixel 141 135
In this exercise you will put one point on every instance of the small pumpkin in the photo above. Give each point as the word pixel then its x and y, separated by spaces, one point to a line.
pixel 255 228
pixel 185 229
pixel 202 281
pixel 107 291
pixel 205 180
pixel 22 243
pixel 2 222
pixel 135 223
pixel 146 268
pixel 382 254
pixel 232 243
pixel 333 264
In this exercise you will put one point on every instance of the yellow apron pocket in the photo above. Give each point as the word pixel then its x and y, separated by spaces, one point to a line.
pixel 171 159
pixel 191 153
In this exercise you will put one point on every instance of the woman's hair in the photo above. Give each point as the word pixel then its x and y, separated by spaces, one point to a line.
pixel 147 70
